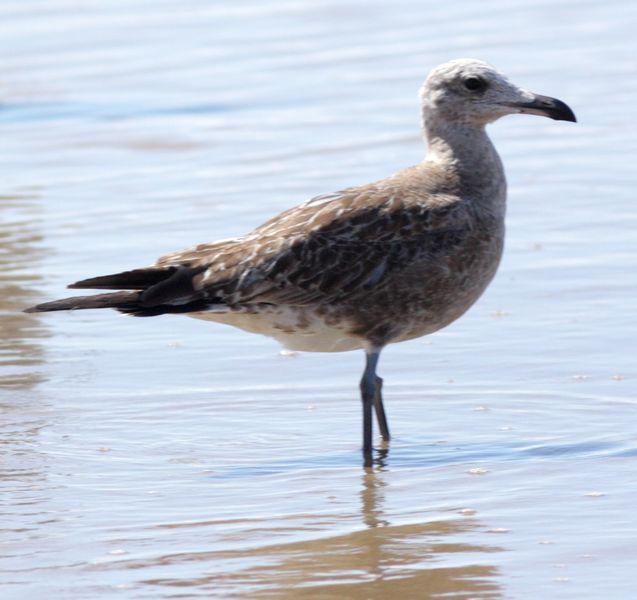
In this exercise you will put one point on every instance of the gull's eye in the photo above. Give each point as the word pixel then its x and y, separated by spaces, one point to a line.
pixel 475 84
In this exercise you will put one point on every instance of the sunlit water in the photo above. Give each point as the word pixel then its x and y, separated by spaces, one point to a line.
pixel 157 458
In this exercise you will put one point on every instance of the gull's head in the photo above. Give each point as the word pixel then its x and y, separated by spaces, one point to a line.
pixel 473 92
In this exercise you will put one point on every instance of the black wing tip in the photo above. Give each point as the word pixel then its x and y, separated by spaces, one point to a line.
pixel 112 300
pixel 87 285
pixel 140 310
pixel 93 283
pixel 135 279
pixel 45 307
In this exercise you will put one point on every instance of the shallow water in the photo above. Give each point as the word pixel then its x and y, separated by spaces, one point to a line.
pixel 158 458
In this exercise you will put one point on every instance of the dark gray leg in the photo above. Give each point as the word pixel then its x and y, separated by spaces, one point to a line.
pixel 371 396
pixel 381 417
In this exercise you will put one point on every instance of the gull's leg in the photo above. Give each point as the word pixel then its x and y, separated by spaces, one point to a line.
pixel 368 395
pixel 381 417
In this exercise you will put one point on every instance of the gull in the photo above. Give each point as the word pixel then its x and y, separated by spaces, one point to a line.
pixel 364 267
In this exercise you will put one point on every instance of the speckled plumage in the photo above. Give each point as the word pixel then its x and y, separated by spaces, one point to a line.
pixel 364 267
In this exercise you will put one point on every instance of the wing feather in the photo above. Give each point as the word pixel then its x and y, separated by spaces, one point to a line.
pixel 332 249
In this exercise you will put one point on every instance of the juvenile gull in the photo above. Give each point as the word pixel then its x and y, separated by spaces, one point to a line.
pixel 367 266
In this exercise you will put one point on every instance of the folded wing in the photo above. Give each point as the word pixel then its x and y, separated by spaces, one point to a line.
pixel 331 249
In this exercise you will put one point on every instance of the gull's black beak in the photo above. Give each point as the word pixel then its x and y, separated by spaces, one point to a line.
pixel 546 107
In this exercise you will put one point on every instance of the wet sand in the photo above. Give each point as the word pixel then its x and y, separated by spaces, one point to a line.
pixel 159 458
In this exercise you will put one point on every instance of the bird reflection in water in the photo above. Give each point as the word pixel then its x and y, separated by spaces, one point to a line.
pixel 403 560
pixel 360 555
pixel 372 488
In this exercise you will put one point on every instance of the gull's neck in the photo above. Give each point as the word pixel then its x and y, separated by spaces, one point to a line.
pixel 467 152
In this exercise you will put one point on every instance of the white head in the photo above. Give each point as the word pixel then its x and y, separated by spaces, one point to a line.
pixel 473 92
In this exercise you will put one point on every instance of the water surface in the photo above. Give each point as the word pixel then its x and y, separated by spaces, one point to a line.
pixel 160 458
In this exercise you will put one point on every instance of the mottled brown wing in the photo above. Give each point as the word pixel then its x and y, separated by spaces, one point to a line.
pixel 197 255
pixel 331 248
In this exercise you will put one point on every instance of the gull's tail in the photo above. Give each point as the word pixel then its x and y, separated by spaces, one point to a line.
pixel 157 290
